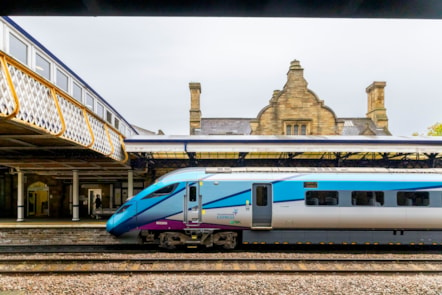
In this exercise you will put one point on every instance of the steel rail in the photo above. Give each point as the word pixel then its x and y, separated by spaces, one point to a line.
pixel 219 265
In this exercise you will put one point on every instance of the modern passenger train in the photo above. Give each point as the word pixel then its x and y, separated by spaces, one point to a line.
pixel 227 206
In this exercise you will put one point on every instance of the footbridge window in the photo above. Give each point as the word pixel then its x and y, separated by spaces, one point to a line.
pixel 367 198
pixel 18 49
pixel 42 66
pixel 322 198
pixel 413 199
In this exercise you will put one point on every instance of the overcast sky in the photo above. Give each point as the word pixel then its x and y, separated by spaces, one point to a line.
pixel 142 65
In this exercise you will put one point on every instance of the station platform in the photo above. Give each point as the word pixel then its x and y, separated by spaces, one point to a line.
pixel 35 231
pixel 52 223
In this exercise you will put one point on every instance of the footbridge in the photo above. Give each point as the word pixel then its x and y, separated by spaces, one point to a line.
pixel 61 143
pixel 51 121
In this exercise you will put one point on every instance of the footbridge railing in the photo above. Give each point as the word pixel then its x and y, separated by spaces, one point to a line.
pixel 27 98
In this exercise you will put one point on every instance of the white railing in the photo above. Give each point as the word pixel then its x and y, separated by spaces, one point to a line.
pixel 28 99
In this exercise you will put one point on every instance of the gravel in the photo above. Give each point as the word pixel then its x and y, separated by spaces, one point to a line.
pixel 221 284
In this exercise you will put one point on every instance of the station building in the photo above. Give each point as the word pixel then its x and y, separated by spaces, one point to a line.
pixel 294 110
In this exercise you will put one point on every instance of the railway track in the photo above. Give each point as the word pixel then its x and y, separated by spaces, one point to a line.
pixel 217 266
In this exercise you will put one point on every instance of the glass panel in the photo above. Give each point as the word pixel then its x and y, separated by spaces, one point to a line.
pixel 303 129
pixel 62 80
pixel 413 199
pixel 365 198
pixel 288 130
pixel 117 123
pixel 192 194
pixel 322 198
pixel 295 130
pixel 18 49
pixel 42 66
pixel 109 117
pixel 100 110
pixel 89 101
pixel 261 196
pixel 163 191
pixel 77 92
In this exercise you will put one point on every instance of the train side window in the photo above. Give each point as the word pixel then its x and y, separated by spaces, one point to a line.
pixel 162 191
pixel 322 198
pixel 262 195
pixel 367 198
pixel 413 199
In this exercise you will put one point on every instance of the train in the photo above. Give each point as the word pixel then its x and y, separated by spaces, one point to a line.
pixel 223 206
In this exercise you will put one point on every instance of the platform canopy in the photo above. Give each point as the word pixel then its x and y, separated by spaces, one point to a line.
pixel 330 151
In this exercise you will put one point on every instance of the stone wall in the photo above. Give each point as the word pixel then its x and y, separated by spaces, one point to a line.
pixel 56 236
pixel 295 107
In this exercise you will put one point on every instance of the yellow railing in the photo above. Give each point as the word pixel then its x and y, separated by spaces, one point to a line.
pixel 28 99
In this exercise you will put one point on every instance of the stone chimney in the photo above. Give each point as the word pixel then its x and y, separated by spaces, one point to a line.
pixel 195 109
pixel 376 110
pixel 295 76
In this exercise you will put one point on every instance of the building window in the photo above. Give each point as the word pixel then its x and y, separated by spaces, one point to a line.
pixel 77 92
pixel 288 129
pixel 296 128
pixel 322 198
pixel 367 198
pixel 117 123
pixel 413 199
pixel 42 66
pixel 303 130
pixel 18 49
pixel 62 80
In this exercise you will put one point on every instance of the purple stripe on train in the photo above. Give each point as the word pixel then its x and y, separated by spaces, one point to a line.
pixel 165 224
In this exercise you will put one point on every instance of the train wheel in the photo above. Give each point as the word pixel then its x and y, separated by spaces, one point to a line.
pixel 226 239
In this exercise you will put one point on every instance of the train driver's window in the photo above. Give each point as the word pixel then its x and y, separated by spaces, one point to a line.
pixel 122 209
pixel 322 198
pixel 367 198
pixel 162 191
pixel 413 199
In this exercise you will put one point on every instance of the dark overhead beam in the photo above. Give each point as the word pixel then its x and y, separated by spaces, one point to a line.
pixel 420 9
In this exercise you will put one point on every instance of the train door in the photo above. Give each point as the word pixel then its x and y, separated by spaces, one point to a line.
pixel 262 205
pixel 192 204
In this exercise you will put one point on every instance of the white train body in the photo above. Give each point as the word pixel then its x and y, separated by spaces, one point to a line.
pixel 286 205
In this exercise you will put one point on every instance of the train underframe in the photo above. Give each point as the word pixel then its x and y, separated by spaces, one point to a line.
pixel 192 237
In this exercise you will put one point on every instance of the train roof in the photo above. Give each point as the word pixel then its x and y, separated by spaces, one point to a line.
pixel 301 173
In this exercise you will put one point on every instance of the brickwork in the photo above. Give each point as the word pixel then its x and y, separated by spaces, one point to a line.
pixel 56 236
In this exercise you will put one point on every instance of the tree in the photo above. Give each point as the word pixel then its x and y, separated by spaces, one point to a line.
pixel 435 130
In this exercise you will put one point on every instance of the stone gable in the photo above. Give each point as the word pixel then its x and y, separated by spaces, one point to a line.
pixel 295 110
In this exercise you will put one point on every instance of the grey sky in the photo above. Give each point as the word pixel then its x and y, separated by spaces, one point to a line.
pixel 142 66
